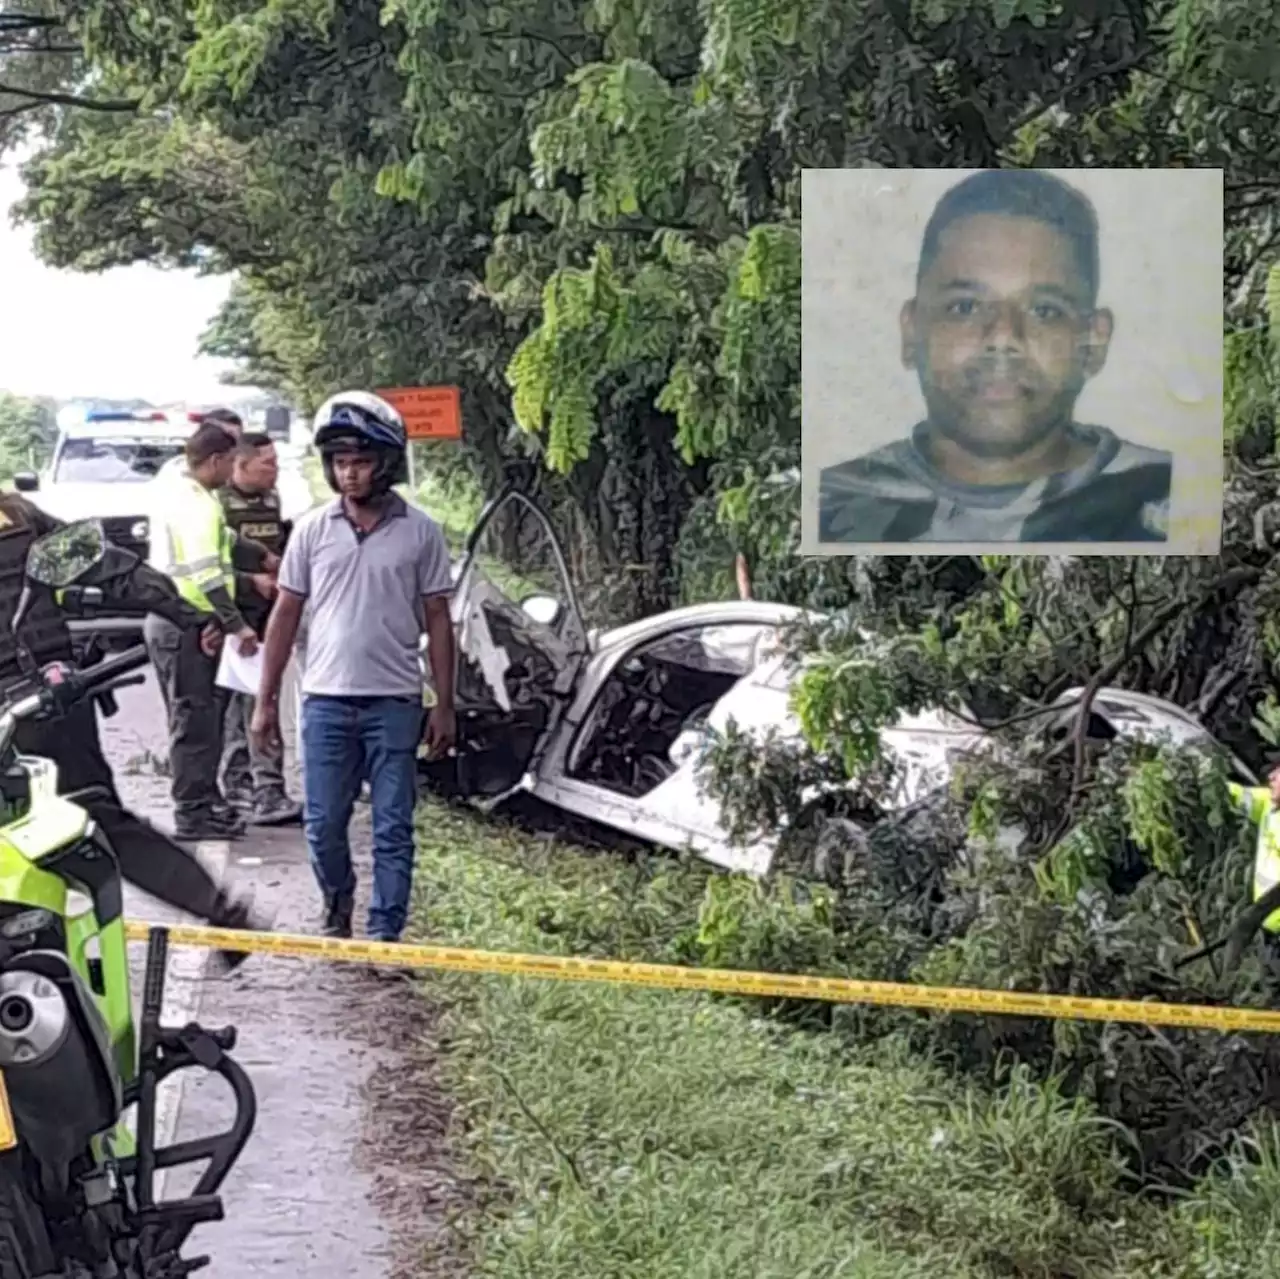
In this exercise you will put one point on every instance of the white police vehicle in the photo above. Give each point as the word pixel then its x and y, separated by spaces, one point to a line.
pixel 102 467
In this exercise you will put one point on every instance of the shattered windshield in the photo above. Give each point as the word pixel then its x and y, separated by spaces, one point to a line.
pixel 114 461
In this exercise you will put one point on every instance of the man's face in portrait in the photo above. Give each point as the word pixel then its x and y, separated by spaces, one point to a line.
pixel 1003 334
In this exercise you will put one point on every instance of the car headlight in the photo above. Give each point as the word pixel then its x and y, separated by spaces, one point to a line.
pixel 138 530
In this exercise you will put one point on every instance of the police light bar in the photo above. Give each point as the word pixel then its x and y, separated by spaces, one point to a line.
pixel 125 415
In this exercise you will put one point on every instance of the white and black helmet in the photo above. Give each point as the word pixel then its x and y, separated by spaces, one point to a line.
pixel 363 422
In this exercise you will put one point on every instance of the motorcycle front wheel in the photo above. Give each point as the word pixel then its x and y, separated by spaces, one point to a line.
pixel 25 1251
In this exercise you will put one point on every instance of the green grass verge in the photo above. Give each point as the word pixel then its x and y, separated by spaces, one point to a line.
pixel 633 1134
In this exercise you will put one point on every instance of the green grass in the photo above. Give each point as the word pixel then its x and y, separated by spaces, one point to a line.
pixel 633 1134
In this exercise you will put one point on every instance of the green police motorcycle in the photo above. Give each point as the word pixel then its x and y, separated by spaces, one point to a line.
pixel 77 1178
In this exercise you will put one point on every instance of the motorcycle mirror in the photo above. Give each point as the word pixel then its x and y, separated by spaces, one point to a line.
pixel 61 558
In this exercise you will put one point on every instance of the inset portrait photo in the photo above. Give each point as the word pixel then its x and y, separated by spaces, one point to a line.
pixel 1012 361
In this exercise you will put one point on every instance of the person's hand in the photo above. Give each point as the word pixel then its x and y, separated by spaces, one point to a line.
pixel 442 731
pixel 264 584
pixel 210 639
pixel 247 642
pixel 271 563
pixel 264 727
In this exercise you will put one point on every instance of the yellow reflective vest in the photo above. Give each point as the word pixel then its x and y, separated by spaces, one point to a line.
pixel 1255 803
pixel 190 540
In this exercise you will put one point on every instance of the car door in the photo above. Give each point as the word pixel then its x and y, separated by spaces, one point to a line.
pixel 521 645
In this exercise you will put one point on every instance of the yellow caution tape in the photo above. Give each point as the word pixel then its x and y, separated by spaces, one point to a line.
pixel 837 990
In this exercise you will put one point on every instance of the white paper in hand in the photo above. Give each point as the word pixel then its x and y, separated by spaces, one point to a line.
pixel 239 674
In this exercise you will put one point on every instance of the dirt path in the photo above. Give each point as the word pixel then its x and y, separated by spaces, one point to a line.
pixel 307 1198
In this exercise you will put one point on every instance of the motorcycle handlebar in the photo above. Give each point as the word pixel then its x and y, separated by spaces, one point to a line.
pixel 92 678
pixel 72 687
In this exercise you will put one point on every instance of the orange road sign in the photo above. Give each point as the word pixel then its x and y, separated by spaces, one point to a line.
pixel 429 412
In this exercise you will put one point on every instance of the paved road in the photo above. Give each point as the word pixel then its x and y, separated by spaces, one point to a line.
pixel 299 1203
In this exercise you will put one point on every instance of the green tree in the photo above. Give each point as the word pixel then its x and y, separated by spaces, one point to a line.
pixel 43 72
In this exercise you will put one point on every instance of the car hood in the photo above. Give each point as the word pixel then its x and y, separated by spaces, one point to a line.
pixel 90 501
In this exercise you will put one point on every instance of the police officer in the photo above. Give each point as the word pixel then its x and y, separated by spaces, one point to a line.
pixel 253 776
pixel 191 543
pixel 228 419
pixel 147 857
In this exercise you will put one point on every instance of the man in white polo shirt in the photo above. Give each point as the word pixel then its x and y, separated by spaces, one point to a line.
pixel 372 573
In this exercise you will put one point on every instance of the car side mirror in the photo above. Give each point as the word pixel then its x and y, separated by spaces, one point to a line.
pixel 26 481
pixel 543 609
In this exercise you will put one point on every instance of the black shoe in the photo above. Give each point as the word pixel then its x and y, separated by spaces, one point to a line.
pixel 238 798
pixel 337 917
pixel 237 914
pixel 194 828
pixel 225 815
pixel 276 810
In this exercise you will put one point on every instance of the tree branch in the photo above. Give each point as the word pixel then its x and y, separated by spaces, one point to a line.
pixel 21 109
pixel 27 46
pixel 1216 690
pixel 1119 67
pixel 534 37
pixel 70 100
pixel 1133 645
pixel 27 22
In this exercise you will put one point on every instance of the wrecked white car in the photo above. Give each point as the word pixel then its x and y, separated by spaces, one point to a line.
pixel 611 726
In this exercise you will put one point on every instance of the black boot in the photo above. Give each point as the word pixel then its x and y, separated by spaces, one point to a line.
pixel 276 810
pixel 207 824
pixel 337 916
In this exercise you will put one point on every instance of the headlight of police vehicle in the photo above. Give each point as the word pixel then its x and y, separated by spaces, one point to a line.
pixel 138 530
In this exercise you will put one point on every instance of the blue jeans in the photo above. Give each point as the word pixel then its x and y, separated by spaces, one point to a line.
pixel 346 741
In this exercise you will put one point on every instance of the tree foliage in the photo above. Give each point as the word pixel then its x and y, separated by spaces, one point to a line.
pixel 43 71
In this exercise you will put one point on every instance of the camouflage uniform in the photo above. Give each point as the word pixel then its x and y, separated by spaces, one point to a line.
pixel 251 777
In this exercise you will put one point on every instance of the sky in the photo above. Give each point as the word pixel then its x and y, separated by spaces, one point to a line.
pixel 126 333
